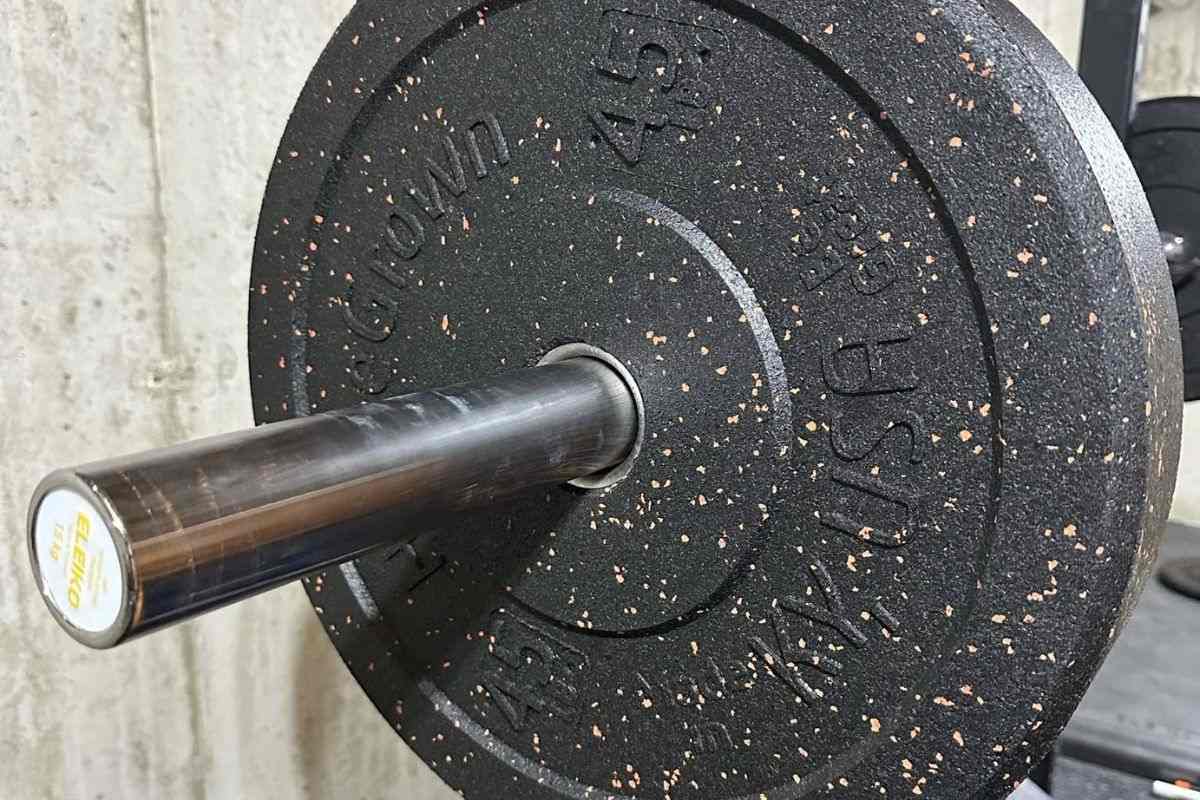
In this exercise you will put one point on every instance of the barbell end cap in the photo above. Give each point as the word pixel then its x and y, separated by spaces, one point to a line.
pixel 81 560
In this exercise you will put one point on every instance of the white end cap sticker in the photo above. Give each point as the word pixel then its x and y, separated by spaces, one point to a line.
pixel 77 557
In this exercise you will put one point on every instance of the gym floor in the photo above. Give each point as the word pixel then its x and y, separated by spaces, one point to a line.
pixel 137 137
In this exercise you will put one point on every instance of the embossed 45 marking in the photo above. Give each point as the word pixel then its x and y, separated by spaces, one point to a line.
pixel 531 672
pixel 652 72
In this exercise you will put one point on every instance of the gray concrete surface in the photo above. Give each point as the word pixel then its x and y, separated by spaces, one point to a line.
pixel 136 137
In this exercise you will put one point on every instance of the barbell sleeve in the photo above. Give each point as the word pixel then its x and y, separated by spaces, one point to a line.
pixel 128 545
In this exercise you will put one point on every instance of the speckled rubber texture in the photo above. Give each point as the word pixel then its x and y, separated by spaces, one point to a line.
pixel 906 343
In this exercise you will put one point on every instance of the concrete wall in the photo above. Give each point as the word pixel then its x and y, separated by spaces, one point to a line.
pixel 136 137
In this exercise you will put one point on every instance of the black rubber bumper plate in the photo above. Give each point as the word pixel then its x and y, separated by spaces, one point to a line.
pixel 898 311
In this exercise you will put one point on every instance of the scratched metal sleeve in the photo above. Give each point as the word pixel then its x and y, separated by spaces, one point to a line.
pixel 210 522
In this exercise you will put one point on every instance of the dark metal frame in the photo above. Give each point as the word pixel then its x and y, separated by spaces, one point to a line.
pixel 1111 55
